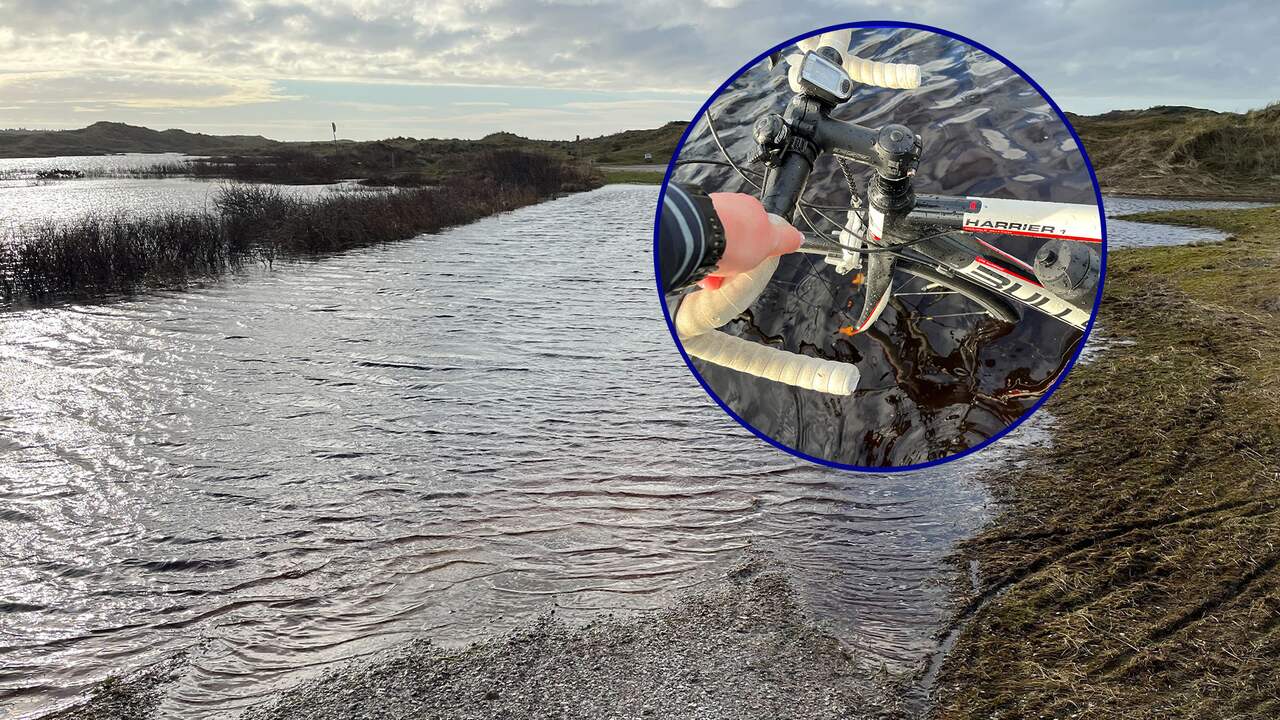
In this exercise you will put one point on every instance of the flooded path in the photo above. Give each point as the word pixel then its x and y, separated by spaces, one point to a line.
pixel 286 470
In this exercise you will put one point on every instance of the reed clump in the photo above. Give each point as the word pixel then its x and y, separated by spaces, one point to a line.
pixel 252 223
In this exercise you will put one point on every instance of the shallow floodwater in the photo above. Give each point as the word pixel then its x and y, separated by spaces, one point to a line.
pixel 292 468
pixel 1126 233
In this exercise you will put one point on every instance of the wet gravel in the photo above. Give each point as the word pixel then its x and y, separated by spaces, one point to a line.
pixel 744 647
pixel 132 697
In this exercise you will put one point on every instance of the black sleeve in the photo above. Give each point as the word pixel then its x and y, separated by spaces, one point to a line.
pixel 690 238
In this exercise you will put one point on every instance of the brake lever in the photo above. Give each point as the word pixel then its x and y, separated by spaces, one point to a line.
pixel 878 287
pixel 816 244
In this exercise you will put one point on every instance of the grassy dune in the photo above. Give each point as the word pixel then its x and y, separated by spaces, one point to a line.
pixel 399 161
pixel 248 224
pixel 1135 572
pixel 103 138
pixel 1180 151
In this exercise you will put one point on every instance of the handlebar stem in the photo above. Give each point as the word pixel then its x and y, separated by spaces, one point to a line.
pixel 791 142
pixel 848 140
pixel 786 144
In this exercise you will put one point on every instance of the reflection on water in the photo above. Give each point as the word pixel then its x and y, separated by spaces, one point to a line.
pixel 285 470
pixel 1125 233
pixel 26 168
pixel 24 203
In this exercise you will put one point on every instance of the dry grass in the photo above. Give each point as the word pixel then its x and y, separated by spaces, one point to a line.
pixel 1188 152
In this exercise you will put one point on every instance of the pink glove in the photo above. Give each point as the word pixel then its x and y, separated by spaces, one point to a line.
pixel 750 235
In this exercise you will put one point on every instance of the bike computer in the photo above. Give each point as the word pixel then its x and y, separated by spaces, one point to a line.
pixel 825 79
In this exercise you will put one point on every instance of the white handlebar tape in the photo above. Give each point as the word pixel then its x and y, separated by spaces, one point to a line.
pixel 703 311
pixel 809 43
pixel 706 310
pixel 840 40
pixel 882 74
pixel 771 363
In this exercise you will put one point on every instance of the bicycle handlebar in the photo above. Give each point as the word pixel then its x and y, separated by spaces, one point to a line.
pixel 790 145
pixel 795 141
pixel 883 74
pixel 802 371
pixel 867 72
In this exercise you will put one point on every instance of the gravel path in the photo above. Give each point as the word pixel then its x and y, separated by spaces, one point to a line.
pixel 742 649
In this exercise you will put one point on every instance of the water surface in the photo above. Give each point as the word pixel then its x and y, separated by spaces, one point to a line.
pixel 287 469
pixel 119 163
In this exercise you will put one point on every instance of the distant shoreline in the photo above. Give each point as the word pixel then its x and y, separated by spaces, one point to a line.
pixel 399 161
pixel 1272 197
pixel 1169 152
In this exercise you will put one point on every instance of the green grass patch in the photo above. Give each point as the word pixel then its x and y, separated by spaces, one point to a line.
pixel 641 177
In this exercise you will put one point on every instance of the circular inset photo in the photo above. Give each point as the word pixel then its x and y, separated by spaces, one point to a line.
pixel 880 246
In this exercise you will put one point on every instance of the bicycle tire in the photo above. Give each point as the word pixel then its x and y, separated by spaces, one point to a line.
pixel 992 302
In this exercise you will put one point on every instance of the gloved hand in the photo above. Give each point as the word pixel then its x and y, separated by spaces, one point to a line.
pixel 750 235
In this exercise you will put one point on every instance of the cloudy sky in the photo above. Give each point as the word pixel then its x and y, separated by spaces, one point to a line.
pixel 458 68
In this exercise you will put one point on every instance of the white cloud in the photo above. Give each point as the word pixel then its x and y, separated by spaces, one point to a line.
pixel 155 55
pixel 132 88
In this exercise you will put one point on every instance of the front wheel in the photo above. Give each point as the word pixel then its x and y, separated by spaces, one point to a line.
pixel 990 301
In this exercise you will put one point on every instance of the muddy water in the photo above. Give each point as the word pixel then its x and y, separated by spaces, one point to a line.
pixel 288 469
pixel 937 376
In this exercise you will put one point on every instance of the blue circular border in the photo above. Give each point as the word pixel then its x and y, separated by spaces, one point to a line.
pixel 666 313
